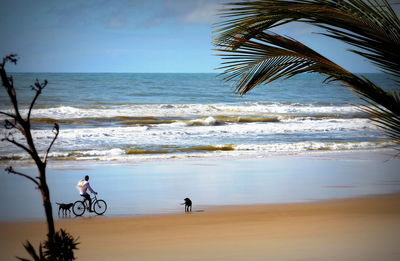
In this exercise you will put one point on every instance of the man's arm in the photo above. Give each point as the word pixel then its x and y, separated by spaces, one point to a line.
pixel 90 188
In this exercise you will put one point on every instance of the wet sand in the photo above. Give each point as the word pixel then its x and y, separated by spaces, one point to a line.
pixel 348 229
pixel 159 187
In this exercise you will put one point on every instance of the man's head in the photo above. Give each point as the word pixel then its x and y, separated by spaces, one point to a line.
pixel 86 177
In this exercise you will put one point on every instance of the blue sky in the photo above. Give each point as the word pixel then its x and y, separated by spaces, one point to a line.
pixel 128 36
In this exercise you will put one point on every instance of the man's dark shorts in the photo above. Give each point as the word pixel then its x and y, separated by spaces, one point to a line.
pixel 86 196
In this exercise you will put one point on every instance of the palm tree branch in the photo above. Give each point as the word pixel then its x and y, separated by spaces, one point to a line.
pixel 253 55
pixel 365 25
pixel 253 68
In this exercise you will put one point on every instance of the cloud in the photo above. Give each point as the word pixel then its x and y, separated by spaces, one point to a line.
pixel 116 21
pixel 147 13
pixel 111 14
pixel 186 12
pixel 203 13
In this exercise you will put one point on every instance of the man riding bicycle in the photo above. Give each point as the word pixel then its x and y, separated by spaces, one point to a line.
pixel 83 185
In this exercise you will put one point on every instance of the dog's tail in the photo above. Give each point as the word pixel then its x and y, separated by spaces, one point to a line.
pixel 58 203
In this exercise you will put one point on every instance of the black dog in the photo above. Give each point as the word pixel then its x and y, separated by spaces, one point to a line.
pixel 188 205
pixel 64 208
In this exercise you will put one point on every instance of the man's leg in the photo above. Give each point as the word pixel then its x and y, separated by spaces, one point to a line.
pixel 87 197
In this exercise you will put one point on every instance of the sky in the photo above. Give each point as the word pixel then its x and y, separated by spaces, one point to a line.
pixel 171 36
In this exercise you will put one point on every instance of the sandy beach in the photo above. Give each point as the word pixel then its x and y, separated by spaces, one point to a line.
pixel 317 206
pixel 348 229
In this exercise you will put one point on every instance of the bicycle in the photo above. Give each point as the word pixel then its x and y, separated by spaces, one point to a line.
pixel 99 206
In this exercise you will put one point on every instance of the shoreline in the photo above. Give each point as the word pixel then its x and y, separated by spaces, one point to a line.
pixel 367 228
pixel 215 156
pixel 132 189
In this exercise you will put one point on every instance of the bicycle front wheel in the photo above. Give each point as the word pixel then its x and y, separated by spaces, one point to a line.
pixel 78 208
pixel 99 207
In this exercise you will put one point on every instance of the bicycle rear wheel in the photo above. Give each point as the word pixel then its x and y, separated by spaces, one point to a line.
pixel 78 208
pixel 99 207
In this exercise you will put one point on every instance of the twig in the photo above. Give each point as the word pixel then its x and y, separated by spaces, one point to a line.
pixel 56 131
pixel 8 114
pixel 38 87
pixel 8 82
pixel 11 170
pixel 17 144
pixel 9 125
pixel 12 58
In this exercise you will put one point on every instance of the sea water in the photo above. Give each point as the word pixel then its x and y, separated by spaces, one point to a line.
pixel 119 120
pixel 152 116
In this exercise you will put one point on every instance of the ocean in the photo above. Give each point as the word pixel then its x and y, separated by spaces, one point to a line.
pixel 159 116
pixel 150 140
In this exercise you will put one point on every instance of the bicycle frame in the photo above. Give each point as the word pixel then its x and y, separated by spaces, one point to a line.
pixel 85 201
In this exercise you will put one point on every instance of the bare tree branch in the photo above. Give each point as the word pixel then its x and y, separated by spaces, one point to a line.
pixel 12 58
pixel 56 131
pixel 8 114
pixel 9 125
pixel 11 170
pixel 38 87
pixel 33 102
pixel 12 140
pixel 8 82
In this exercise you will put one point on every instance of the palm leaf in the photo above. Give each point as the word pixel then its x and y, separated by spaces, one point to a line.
pixel 384 118
pixel 32 252
pixel 370 26
pixel 253 55
pixel 269 56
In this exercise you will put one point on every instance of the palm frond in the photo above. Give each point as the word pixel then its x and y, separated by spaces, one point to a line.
pixel 253 55
pixel 384 118
pixel 269 56
pixel 32 252
pixel 370 26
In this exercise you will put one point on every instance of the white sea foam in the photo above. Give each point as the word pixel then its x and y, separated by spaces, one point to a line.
pixel 179 110
pixel 253 150
pixel 311 146
pixel 209 121
pixel 204 132
pixel 295 128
